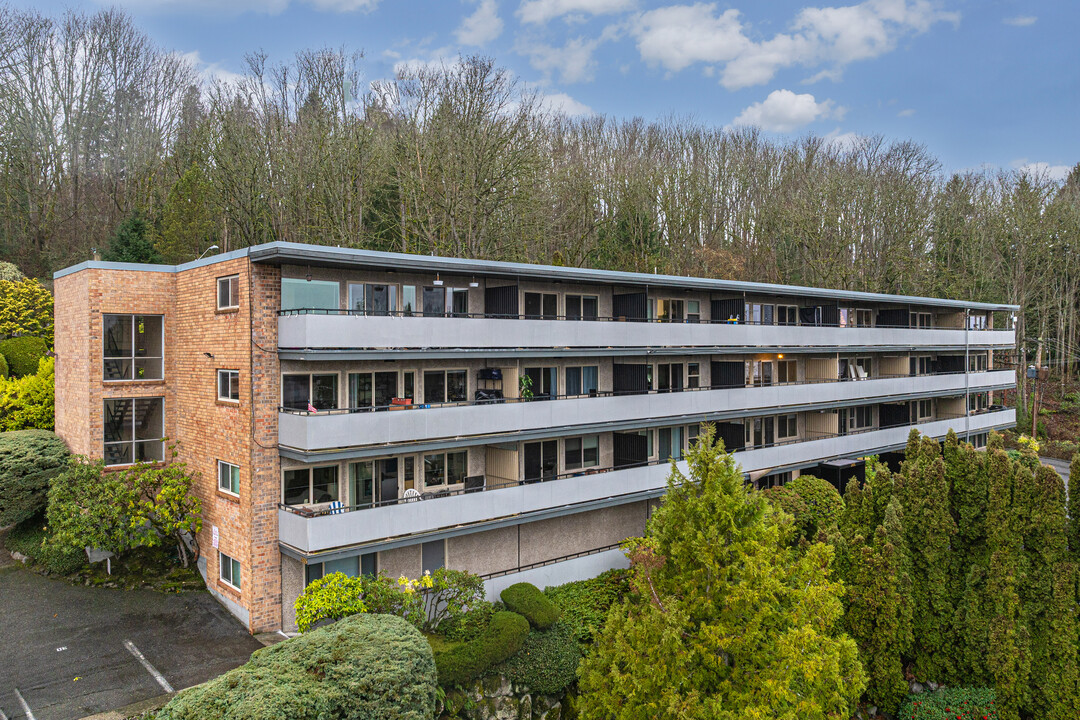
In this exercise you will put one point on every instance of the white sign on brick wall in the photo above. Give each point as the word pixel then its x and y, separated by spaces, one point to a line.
pixel 214 536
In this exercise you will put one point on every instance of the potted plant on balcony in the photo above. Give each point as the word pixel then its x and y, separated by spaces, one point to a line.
pixel 525 384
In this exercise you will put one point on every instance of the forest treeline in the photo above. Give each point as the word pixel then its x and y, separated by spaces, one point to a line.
pixel 99 123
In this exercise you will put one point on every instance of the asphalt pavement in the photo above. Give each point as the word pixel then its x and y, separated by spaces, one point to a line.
pixel 70 651
pixel 1060 465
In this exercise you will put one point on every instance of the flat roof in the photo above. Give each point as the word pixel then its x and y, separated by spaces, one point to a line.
pixel 290 253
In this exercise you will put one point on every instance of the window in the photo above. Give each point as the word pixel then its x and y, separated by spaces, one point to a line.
pixel 977 322
pixel 787 371
pixel 669 377
pixel 544 382
pixel 977 362
pixel 541 460
pixel 759 314
pixel 582 452
pixel 979 440
pixel 229 570
pixel 582 307
pixel 372 299
pixel 760 432
pixel 581 380
pixel 408 300
pixel 366 564
pixel 300 294
pixel 787 315
pixel 920 320
pixel 855 368
pixel 693 311
pixel 445 468
pixel 861 417
pixel 760 372
pixel 228 385
pixel 432 556
pixel 920 365
pixel 228 292
pixel 978 402
pixel 924 409
pixel 541 306
pixel 693 375
pixel 132 347
pixel 671 443
pixel 669 310
pixel 373 389
pixel 863 318
pixel 787 426
pixel 300 389
pixel 443 386
pixel 134 430
pixel 228 477
pixel 305 486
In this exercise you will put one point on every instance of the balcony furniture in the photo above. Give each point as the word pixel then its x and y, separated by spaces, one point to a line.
pixel 411 495
pixel 474 483
pixel 336 507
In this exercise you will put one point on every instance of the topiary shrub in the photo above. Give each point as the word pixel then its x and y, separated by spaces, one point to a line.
pixel 526 599
pixel 365 666
pixel 29 459
pixel 468 625
pixel 546 663
pixel 951 704
pixel 584 603
pixel 503 637
pixel 23 353
pixel 814 503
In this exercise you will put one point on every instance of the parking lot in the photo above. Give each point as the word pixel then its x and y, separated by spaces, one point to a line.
pixel 68 652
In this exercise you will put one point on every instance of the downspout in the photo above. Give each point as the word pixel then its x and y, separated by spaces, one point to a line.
pixel 967 375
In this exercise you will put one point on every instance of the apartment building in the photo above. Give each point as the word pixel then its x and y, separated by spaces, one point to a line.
pixel 362 412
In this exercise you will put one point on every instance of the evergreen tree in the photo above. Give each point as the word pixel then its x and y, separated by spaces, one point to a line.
pixel 973 627
pixel 130 243
pixel 1074 509
pixel 726 619
pixel 1061 686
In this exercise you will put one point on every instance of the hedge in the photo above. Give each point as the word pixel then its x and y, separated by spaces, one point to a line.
pixel 29 459
pixel 951 704
pixel 468 625
pixel 526 599
pixel 364 666
pixel 28 538
pixel 504 636
pixel 547 662
pixel 3 367
pixel 23 353
pixel 585 603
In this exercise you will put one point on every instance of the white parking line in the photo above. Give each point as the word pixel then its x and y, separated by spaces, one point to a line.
pixel 26 708
pixel 149 668
pixel 3 716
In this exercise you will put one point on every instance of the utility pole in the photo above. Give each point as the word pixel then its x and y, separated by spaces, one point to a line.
pixel 1035 389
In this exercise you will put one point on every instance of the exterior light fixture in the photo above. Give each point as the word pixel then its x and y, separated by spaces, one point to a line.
pixel 473 283
pixel 780 356
pixel 212 247
pixel 438 280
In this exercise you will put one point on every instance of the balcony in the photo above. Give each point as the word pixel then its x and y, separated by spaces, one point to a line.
pixel 308 432
pixel 336 330
pixel 373 524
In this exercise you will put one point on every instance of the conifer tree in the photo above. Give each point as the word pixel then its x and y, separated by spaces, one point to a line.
pixel 1008 653
pixel 726 620
pixel 131 243
pixel 1061 686
pixel 973 626
pixel 1074 509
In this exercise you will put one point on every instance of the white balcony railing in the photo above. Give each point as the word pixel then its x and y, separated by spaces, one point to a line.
pixel 326 532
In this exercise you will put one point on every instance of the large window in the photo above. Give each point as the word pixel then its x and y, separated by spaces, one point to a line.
pixel 787 371
pixel 372 389
pixel 977 362
pixel 132 347
pixel 582 307
pixel 366 564
pixel 581 452
pixel 228 292
pixel 787 426
pixel 787 315
pixel 229 570
pixel 228 385
pixel 432 556
pixel 541 306
pixel 228 477
pixel 545 382
pixel 581 380
pixel 299 390
pixel 761 372
pixel 371 299
pixel 300 294
pixel 305 486
pixel 134 430
pixel 445 468
pixel 442 386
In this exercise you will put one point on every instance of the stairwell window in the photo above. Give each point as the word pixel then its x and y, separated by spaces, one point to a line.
pixel 132 347
pixel 229 570
pixel 228 292
pixel 228 383
pixel 134 430
pixel 228 477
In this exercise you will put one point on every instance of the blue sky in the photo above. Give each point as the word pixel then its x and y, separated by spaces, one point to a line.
pixel 979 82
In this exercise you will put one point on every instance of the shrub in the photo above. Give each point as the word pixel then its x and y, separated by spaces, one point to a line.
pixel 951 704
pixel 585 603
pixel 784 498
pixel 29 538
pixel 29 402
pixel 29 459
pixel 26 309
pixel 366 666
pixel 23 353
pixel 467 625
pixel 4 372
pixel 547 662
pixel 451 594
pixel 814 503
pixel 504 636
pixel 526 599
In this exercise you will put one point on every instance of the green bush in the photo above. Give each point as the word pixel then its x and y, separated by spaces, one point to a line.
pixel 23 353
pixel 814 503
pixel 3 367
pixel 365 666
pixel 504 636
pixel 29 459
pixel 468 625
pixel 526 599
pixel 29 402
pixel 28 538
pixel 547 662
pixel 585 603
pixel 951 704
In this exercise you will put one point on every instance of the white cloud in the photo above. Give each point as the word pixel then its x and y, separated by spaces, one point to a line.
pixel 678 36
pixel 906 113
pixel 847 141
pixel 541 11
pixel 211 72
pixel 238 7
pixel 1020 20
pixel 1054 172
pixel 783 111
pixel 574 61
pixel 563 103
pixel 482 26
pixel 344 5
